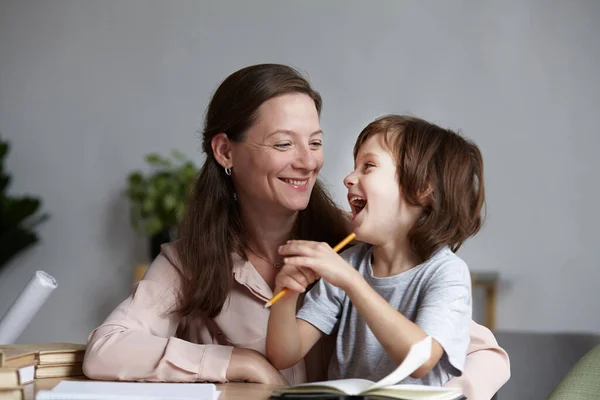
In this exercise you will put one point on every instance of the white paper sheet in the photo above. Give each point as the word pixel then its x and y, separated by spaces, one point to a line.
pixel 93 390
pixel 418 354
pixel 26 306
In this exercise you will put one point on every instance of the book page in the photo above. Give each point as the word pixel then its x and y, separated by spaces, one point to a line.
pixel 346 386
pixel 418 354
pixel 52 348
pixel 417 392
pixel 16 350
pixel 22 354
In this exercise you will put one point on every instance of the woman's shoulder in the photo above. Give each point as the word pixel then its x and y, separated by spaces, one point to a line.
pixel 166 268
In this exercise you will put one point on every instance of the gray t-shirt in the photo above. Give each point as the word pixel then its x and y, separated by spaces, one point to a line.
pixel 436 295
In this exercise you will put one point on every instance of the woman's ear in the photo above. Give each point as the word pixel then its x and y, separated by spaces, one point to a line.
pixel 221 147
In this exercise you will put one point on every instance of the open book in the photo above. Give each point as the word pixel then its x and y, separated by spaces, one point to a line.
pixel 387 388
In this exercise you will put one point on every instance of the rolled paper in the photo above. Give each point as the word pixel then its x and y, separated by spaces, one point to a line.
pixel 26 306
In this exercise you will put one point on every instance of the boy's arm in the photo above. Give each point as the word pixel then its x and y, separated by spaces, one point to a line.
pixel 443 313
pixel 289 335
pixel 288 338
pixel 386 322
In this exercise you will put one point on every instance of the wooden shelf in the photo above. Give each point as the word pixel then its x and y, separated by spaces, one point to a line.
pixel 489 282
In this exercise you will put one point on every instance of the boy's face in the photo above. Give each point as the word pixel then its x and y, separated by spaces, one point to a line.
pixel 380 213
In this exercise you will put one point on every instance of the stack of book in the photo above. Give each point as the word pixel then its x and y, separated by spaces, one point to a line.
pixel 22 364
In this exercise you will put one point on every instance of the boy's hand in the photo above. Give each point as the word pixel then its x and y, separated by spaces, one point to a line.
pixel 294 278
pixel 321 259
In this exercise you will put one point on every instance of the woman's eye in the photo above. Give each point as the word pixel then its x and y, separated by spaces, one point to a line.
pixel 283 146
pixel 316 144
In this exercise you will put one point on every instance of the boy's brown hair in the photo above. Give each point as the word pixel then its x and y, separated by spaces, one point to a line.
pixel 438 170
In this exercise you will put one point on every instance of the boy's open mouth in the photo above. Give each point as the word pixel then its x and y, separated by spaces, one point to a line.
pixel 357 203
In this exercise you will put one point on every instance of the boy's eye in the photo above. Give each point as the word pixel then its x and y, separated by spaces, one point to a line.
pixel 369 165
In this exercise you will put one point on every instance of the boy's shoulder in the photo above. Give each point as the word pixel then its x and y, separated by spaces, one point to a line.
pixel 356 254
pixel 445 256
pixel 445 264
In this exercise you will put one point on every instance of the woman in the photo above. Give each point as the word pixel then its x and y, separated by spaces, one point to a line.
pixel 198 313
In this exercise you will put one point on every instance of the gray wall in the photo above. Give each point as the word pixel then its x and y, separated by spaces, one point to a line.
pixel 87 88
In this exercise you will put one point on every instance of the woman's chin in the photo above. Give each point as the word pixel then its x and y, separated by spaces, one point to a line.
pixel 295 203
pixel 295 206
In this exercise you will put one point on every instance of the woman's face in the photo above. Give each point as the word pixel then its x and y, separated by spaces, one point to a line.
pixel 278 162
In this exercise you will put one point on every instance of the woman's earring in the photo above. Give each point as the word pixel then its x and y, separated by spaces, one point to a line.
pixel 228 171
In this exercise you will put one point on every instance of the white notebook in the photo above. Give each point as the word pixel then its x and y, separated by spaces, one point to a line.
pixel 96 390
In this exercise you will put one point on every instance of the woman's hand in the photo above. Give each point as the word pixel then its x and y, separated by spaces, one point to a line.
pixel 251 366
pixel 320 259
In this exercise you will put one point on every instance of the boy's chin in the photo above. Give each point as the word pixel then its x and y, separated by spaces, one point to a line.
pixel 369 235
pixel 362 234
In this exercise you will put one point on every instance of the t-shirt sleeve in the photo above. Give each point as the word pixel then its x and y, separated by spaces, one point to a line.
pixel 445 311
pixel 322 306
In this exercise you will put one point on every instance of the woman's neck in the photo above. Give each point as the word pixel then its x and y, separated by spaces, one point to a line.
pixel 266 231
pixel 393 258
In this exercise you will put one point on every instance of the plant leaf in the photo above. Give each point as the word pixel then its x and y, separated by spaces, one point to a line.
pixel 4 148
pixel 17 210
pixel 13 242
pixel 158 198
pixel 153 226
pixel 178 155
pixel 4 182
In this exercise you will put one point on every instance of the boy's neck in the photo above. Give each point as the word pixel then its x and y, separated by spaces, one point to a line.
pixel 393 258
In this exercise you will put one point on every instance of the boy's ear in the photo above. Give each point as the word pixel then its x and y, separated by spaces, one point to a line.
pixel 221 147
pixel 425 194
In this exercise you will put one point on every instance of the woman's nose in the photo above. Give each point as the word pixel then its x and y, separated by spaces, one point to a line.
pixel 305 158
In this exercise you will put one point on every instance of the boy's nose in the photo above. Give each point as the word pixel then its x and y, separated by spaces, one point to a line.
pixel 349 180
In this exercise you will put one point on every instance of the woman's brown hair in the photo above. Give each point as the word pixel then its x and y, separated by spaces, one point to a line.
pixel 438 170
pixel 211 231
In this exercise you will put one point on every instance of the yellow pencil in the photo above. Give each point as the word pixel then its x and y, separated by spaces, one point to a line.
pixel 337 248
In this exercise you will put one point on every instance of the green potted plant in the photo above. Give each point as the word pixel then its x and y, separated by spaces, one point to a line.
pixel 18 216
pixel 158 198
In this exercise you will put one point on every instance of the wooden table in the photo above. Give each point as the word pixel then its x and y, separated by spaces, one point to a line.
pixel 229 391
